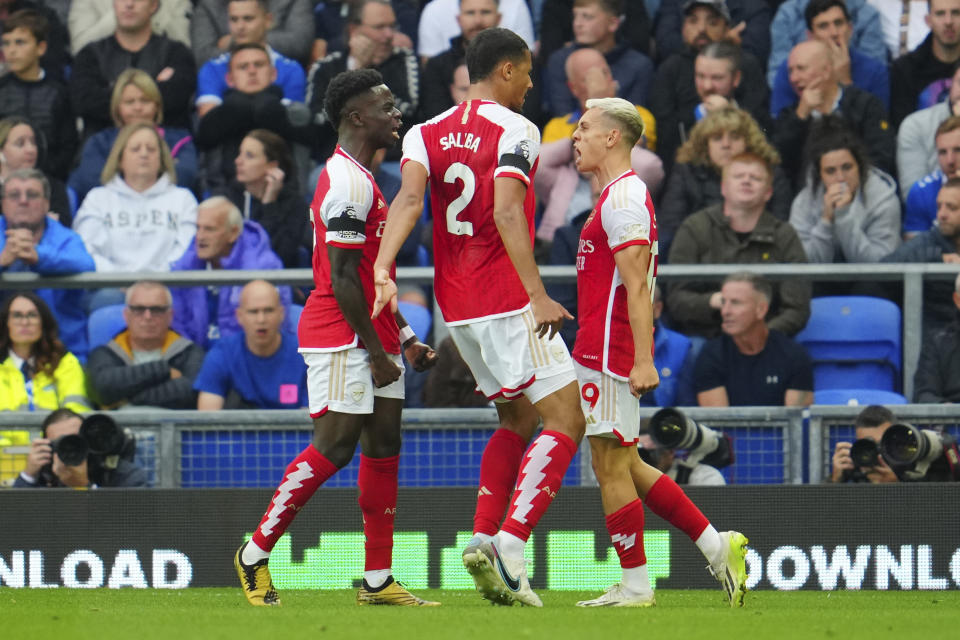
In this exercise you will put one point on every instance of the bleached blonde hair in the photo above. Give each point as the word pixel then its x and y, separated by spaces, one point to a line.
pixel 624 113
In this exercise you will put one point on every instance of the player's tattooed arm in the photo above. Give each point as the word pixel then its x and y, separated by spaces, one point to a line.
pixel 348 291
pixel 420 355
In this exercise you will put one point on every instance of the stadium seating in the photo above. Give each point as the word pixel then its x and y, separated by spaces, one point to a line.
pixel 854 342
pixel 857 397
pixel 104 323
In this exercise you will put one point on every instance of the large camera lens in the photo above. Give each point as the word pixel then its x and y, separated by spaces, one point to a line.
pixel 71 449
pixel 864 452
pixel 904 444
pixel 673 430
pixel 102 434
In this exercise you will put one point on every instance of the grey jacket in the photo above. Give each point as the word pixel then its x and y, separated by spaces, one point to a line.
pixel 115 380
pixel 706 238
pixel 916 147
pixel 291 34
pixel 866 230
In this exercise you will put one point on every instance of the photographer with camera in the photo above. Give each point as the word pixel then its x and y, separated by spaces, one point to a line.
pixel 707 451
pixel 870 426
pixel 81 453
pixel 886 451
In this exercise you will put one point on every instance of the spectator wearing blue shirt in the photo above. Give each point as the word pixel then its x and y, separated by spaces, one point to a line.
pixel 674 356
pixel 258 368
pixel 249 21
pixel 830 22
pixel 30 240
pixel 921 207
pixel 751 364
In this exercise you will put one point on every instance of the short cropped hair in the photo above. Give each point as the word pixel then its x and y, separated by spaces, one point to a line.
pixel 248 45
pixel 723 50
pixel 624 113
pixel 147 284
pixel 490 48
pixel 612 7
pixel 749 157
pixel 33 21
pixel 355 10
pixel 816 7
pixel 760 284
pixel 874 416
pixel 950 124
pixel 234 215
pixel 344 87
pixel 28 174
pixel 262 3
pixel 55 416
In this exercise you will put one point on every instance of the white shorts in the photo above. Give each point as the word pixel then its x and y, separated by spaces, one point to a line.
pixel 341 381
pixel 508 360
pixel 609 407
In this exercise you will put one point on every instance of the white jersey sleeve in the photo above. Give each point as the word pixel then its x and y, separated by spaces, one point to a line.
pixel 347 204
pixel 518 148
pixel 415 149
pixel 625 217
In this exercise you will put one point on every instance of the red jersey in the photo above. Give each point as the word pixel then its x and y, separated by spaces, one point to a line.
pixel 623 216
pixel 348 211
pixel 463 150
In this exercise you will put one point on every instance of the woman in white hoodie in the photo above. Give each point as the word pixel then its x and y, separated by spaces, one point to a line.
pixel 140 220
pixel 848 211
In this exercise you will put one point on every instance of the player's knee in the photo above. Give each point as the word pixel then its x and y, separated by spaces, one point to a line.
pixel 338 451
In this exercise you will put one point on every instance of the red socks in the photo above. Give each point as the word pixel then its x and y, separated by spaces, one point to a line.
pixel 498 477
pixel 377 480
pixel 301 479
pixel 539 480
pixel 667 500
pixel 626 531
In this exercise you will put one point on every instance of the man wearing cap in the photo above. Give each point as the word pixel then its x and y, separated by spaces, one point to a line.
pixel 674 97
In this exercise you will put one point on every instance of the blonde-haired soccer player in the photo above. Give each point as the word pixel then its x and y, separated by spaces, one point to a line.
pixel 613 354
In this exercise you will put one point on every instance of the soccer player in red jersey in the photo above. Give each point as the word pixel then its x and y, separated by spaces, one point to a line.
pixel 616 273
pixel 479 158
pixel 354 370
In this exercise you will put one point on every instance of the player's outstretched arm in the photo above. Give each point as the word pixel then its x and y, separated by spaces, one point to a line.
pixel 632 264
pixel 420 355
pixel 348 291
pixel 404 212
pixel 508 196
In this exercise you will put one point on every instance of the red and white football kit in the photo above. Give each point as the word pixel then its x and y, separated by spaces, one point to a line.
pixel 348 211
pixel 477 287
pixel 604 349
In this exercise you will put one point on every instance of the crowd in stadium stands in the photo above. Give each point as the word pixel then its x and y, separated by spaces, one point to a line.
pixel 821 131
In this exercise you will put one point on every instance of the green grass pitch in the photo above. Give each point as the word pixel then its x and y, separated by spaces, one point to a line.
pixel 680 615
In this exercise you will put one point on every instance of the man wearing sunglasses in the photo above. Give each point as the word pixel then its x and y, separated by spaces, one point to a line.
pixel 147 364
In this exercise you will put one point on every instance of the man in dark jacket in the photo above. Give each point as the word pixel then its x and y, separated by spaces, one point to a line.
pixel 474 17
pixel 133 44
pixel 28 90
pixel 146 364
pixel 738 231
pixel 938 372
pixel 369 47
pixel 814 79
pixel 940 244
pixel 918 72
pixel 675 97
pixel 595 24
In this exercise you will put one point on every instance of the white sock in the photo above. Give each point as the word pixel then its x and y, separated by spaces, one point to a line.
pixel 253 554
pixel 484 537
pixel 377 577
pixel 710 545
pixel 636 579
pixel 510 545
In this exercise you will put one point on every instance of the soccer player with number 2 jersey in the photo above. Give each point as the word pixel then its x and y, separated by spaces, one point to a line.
pixel 616 273
pixel 354 371
pixel 479 158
